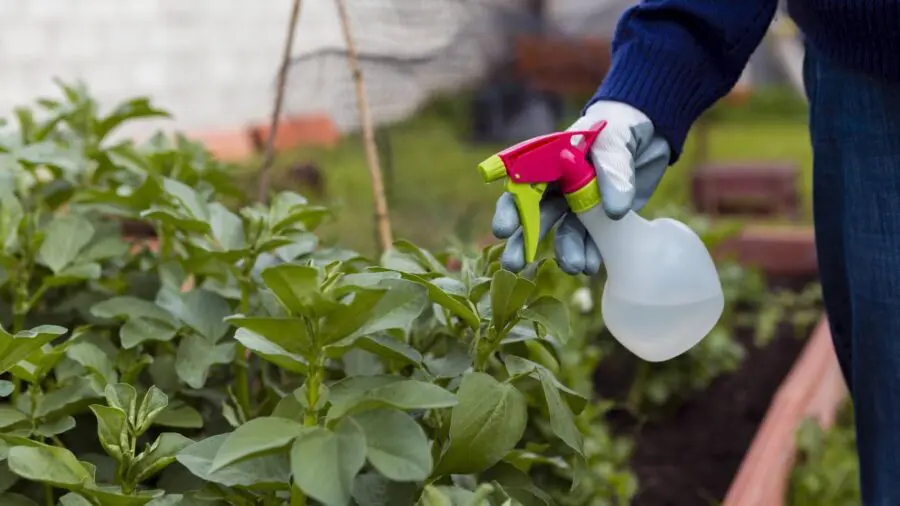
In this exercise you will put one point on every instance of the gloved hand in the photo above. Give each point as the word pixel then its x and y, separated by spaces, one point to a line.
pixel 630 161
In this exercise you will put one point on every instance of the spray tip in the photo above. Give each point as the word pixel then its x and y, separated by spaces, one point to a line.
pixel 492 169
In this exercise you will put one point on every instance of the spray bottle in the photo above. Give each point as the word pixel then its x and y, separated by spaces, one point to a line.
pixel 662 293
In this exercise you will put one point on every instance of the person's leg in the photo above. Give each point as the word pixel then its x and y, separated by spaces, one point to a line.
pixel 828 209
pixel 855 131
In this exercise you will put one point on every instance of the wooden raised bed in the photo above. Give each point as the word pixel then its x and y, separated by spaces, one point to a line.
pixel 814 388
pixel 784 251
pixel 747 188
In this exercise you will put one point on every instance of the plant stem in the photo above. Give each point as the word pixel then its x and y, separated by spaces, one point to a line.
pixel 382 219
pixel 49 500
pixel 269 154
pixel 298 498
pixel 313 382
pixel 240 363
pixel 483 348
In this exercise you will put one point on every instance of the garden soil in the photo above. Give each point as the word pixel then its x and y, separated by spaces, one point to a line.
pixel 690 457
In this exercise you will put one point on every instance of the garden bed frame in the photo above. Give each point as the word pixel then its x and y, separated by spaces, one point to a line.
pixel 814 388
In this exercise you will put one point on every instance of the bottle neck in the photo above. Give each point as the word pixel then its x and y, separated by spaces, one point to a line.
pixel 614 238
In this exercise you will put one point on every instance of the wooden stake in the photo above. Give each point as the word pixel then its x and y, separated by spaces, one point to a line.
pixel 269 154
pixel 382 220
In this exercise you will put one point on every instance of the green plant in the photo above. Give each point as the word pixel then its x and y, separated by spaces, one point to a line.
pixel 827 469
pixel 234 360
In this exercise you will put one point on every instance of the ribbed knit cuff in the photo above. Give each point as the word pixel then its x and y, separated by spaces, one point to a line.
pixel 672 89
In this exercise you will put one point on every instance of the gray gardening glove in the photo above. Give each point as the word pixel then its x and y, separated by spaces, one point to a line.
pixel 630 161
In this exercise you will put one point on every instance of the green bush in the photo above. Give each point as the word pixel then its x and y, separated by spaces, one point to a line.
pixel 827 469
pixel 236 361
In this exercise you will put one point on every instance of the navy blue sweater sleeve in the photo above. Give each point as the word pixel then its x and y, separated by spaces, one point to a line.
pixel 673 59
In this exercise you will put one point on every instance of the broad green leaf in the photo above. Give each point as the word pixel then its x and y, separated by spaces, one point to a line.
pixel 114 496
pixel 289 334
pixel 295 245
pixel 158 456
pixel 176 220
pixel 131 109
pixel 64 239
pixel 48 464
pixel 396 308
pixel 6 388
pixel 397 446
pixel 562 421
pixel 382 345
pixel 188 198
pixel 153 403
pixel 103 249
pixel 137 331
pixel 362 280
pixel 373 489
pixel 434 496
pixel 459 306
pixel 451 286
pixel 285 204
pixel 74 274
pixel 56 426
pixel 270 351
pixel 179 415
pixel 73 499
pixel 518 485
pixel 15 347
pixel 347 319
pixel 324 463
pixel 454 363
pixel 487 423
pixel 508 294
pixel 68 399
pixel 518 366
pixel 257 437
pixel 297 287
pixel 112 430
pixel 92 358
pixel 552 314
pixel 13 499
pixel 127 307
pixel 349 389
pixel 10 416
pixel 123 397
pixel 289 407
pixel 270 470
pixel 11 215
pixel 424 258
pixel 403 395
pixel 227 228
pixel 400 262
pixel 203 311
pixel 195 357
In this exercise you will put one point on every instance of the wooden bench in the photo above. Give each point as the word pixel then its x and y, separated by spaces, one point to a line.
pixel 748 188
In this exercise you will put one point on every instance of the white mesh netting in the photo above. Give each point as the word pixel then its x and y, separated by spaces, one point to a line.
pixel 409 50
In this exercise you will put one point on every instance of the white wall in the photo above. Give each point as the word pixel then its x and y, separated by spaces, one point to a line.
pixel 213 62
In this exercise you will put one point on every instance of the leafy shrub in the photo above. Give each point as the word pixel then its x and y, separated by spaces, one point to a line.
pixel 235 360
pixel 827 469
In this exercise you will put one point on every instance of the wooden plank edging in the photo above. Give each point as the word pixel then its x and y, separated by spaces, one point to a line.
pixel 814 387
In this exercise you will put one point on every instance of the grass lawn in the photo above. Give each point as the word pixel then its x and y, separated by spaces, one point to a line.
pixel 435 193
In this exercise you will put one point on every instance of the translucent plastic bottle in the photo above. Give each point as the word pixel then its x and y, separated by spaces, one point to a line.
pixel 662 294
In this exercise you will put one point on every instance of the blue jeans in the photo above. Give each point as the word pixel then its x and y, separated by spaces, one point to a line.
pixel 855 132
